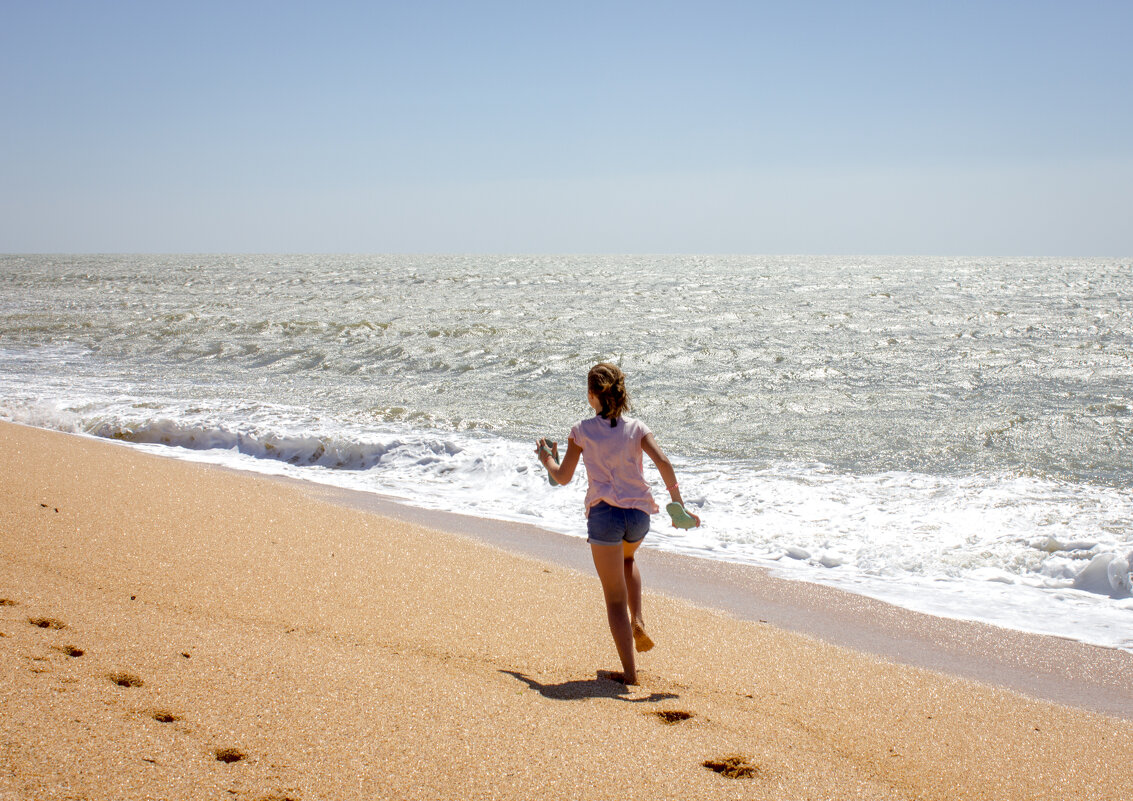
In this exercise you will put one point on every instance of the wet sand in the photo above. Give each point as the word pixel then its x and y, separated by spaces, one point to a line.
pixel 176 630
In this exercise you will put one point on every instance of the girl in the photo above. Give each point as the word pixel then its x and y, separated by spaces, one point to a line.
pixel 618 501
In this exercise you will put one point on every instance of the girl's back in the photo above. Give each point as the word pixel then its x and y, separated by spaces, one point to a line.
pixel 612 455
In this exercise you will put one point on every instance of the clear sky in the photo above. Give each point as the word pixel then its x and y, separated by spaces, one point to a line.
pixel 947 128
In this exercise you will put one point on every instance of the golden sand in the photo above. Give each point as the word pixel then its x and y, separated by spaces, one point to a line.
pixel 176 630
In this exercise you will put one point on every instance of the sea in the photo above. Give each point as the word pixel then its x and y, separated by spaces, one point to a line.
pixel 951 435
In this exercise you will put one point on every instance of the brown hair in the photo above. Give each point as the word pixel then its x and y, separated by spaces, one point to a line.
pixel 608 383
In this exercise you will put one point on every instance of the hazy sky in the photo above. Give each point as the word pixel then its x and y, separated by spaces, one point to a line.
pixel 950 128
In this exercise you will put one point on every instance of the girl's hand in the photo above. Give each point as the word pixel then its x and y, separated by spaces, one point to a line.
pixel 559 472
pixel 546 450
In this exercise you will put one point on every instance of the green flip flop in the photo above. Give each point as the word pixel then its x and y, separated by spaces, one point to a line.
pixel 681 518
pixel 550 451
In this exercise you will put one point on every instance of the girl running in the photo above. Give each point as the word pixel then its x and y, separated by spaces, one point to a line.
pixel 618 501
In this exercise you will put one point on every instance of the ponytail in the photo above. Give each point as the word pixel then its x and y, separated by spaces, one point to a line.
pixel 608 384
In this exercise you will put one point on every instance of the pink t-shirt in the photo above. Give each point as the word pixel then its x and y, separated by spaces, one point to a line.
pixel 612 455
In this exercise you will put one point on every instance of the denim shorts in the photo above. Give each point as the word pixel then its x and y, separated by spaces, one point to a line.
pixel 611 525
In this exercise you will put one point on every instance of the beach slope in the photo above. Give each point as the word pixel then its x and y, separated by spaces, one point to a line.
pixel 176 630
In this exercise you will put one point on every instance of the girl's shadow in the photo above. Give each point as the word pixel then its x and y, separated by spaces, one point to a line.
pixel 604 686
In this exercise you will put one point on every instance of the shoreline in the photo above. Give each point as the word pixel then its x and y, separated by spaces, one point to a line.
pixel 1042 666
pixel 178 629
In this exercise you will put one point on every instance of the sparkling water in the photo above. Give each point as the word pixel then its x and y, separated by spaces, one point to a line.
pixel 952 435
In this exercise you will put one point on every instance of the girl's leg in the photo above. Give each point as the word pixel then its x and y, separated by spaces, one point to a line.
pixel 633 591
pixel 610 564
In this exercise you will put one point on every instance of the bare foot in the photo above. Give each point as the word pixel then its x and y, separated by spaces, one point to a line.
pixel 618 676
pixel 641 640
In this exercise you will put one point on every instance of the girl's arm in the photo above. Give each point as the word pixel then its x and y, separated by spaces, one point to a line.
pixel 561 472
pixel 665 468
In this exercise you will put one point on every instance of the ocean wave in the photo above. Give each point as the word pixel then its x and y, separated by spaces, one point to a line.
pixel 336 453
pixel 1107 574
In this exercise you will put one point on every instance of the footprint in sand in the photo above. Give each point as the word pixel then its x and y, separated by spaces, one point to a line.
pixel 670 717
pixel 229 755
pixel 126 680
pixel 47 623
pixel 70 650
pixel 165 717
pixel 733 767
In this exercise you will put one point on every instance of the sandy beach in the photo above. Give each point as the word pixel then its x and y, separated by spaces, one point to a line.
pixel 177 630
